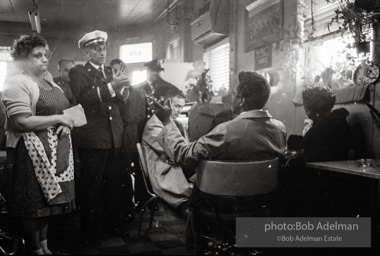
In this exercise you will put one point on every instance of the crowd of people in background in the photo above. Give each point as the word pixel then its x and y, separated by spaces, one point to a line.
pixel 49 154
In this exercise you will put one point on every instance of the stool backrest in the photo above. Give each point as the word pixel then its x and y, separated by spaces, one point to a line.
pixel 143 163
pixel 144 168
pixel 238 178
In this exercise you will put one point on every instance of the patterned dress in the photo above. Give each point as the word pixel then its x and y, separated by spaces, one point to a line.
pixel 28 199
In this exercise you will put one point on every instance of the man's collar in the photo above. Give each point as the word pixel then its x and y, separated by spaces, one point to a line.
pixel 96 66
pixel 259 113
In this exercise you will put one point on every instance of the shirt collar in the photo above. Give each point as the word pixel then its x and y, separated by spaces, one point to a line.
pixel 255 114
pixel 96 66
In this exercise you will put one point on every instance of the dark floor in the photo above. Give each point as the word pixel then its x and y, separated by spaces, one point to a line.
pixel 167 237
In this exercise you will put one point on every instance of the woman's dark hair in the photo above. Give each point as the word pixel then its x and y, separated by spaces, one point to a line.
pixel 23 47
pixel 254 88
pixel 318 100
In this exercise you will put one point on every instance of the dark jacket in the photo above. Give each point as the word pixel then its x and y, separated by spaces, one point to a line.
pixel 133 114
pixel 328 138
pixel 104 126
pixel 222 117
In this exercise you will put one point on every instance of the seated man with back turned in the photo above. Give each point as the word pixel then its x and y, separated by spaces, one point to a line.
pixel 168 180
pixel 252 136
pixel 234 109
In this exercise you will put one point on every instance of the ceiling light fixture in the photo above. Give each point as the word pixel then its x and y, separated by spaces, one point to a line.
pixel 34 19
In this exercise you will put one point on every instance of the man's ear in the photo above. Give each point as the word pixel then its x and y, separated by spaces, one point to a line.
pixel 86 51
pixel 242 101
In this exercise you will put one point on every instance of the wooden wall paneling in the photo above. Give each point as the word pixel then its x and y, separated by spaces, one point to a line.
pixel 376 131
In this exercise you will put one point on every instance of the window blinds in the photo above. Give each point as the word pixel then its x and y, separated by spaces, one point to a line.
pixel 218 60
pixel 5 53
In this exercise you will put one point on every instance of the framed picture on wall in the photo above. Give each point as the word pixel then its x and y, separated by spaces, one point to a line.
pixel 263 23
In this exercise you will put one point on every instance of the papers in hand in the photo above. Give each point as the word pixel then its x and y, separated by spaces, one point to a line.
pixel 77 114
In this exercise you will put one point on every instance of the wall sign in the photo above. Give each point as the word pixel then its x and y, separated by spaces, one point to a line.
pixel 263 57
pixel 263 23
pixel 135 53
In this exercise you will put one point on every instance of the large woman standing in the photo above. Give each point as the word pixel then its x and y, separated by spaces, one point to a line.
pixel 39 143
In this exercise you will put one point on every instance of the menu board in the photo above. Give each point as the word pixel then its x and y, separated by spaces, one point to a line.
pixel 263 23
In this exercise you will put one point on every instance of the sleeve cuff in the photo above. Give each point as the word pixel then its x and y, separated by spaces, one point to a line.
pixel 113 94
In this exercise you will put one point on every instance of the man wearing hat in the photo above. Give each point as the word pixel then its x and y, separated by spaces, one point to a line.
pixel 99 141
pixel 135 114
pixel 155 85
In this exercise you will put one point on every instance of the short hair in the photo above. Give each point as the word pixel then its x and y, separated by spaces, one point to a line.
pixel 318 100
pixel 254 88
pixel 62 61
pixel 243 75
pixel 174 93
pixel 116 62
pixel 23 46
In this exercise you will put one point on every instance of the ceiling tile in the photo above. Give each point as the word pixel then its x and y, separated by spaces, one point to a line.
pixel 85 13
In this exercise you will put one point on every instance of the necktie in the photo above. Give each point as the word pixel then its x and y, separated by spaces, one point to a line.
pixel 101 72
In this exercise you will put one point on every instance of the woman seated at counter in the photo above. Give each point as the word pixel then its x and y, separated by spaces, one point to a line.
pixel 326 134
pixel 326 138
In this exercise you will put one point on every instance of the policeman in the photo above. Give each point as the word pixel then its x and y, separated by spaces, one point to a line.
pixel 154 85
pixel 135 115
pixel 99 141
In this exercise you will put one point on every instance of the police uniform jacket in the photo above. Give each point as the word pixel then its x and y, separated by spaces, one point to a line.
pixel 104 128
pixel 161 87
pixel 133 113
pixel 136 111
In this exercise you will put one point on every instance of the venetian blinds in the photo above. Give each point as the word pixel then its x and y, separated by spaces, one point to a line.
pixel 218 60
pixel 318 16
pixel 5 58
pixel 173 51
pixel 5 53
